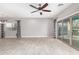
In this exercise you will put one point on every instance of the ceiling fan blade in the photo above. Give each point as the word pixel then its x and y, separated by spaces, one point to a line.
pixel 33 6
pixel 34 11
pixel 47 10
pixel 45 5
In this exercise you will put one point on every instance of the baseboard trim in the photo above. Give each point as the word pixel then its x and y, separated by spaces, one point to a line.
pixel 23 37
pixel 10 37
pixel 34 37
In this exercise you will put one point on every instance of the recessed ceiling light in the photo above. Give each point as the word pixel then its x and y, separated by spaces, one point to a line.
pixel 61 4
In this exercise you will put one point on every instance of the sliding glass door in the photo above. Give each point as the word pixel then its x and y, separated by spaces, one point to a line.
pixel 65 32
pixel 75 31
pixel 59 29
pixel 68 30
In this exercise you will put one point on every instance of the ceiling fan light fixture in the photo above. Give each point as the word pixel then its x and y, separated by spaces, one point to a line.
pixel 39 4
pixel 40 13
pixel 61 4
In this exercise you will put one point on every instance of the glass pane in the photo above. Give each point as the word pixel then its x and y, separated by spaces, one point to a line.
pixel 66 30
pixel 75 31
pixel 10 29
pixel 60 29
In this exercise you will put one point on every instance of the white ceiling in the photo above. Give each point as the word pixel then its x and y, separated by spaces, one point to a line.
pixel 23 10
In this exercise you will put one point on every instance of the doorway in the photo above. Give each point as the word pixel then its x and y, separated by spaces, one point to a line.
pixel 10 29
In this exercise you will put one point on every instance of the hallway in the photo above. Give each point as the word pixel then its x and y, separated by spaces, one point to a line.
pixel 35 46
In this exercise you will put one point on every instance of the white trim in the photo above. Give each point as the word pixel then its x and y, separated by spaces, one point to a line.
pixel 26 36
pixel 33 36
pixel 67 16
pixel 10 37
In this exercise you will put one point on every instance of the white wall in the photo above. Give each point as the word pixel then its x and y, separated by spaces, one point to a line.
pixel 36 27
pixel 72 9
pixel 32 27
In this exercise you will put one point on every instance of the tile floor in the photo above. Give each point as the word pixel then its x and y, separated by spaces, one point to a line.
pixel 35 46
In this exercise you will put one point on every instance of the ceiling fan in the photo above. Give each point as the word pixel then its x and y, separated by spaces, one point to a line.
pixel 40 8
